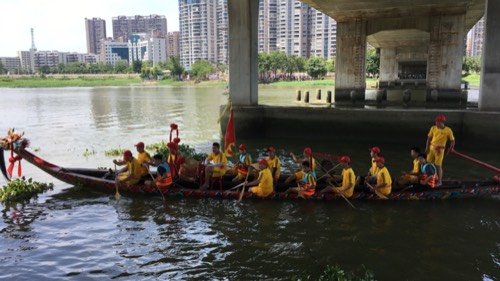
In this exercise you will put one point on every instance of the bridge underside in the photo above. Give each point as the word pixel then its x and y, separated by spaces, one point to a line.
pixel 417 39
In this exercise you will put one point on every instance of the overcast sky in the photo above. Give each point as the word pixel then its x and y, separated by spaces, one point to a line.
pixel 60 24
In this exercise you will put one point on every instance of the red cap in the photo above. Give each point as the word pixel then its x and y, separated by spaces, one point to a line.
pixel 263 162
pixel 380 159
pixel 440 118
pixel 307 150
pixel 374 149
pixel 243 147
pixel 345 159
pixel 271 149
pixel 127 154
pixel 140 144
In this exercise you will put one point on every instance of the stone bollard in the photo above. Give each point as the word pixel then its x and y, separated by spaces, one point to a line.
pixel 318 94
pixel 306 97
pixel 329 97
pixel 434 95
pixel 463 97
pixel 353 96
pixel 406 96
pixel 380 96
pixel 299 93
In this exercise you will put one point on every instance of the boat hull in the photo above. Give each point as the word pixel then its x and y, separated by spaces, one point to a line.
pixel 95 180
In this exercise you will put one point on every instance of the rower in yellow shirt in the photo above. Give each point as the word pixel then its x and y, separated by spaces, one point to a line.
pixel 384 180
pixel 244 162
pixel 307 156
pixel 264 182
pixel 132 173
pixel 371 177
pixel 411 177
pixel 437 137
pixel 216 165
pixel 144 158
pixel 347 177
pixel 274 164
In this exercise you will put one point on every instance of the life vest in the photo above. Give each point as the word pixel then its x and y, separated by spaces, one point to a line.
pixel 432 181
pixel 242 169
pixel 307 185
pixel 167 180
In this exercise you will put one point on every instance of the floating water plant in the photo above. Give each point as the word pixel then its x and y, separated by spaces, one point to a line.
pixel 22 189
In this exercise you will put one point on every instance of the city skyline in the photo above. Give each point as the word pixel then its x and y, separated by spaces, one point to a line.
pixel 53 21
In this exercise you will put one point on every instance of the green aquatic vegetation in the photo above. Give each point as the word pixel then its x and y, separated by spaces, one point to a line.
pixel 114 152
pixel 22 189
pixel 185 150
pixel 335 273
pixel 89 152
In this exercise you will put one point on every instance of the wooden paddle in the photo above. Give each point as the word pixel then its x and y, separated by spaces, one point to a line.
pixel 487 166
pixel 154 182
pixel 329 171
pixel 343 196
pixel 244 185
pixel 380 195
pixel 236 186
pixel 117 194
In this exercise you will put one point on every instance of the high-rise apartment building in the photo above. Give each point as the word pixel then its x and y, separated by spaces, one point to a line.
pixel 294 28
pixel 284 25
pixel 323 35
pixel 268 21
pixel 198 31
pixel 475 39
pixel 173 44
pixel 96 31
pixel 124 26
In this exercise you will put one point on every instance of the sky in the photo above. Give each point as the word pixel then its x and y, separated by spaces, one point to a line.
pixel 60 24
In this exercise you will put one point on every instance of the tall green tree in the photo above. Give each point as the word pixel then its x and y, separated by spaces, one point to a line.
pixel 373 61
pixel 201 69
pixel 330 65
pixel 175 66
pixel 316 67
pixel 277 60
pixel 137 66
pixel 121 66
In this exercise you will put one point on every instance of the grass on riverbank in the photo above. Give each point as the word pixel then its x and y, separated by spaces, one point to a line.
pixel 473 79
pixel 81 81
pixel 50 82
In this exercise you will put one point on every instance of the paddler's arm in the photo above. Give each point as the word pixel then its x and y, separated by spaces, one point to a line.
pixel 427 144
pixel 452 146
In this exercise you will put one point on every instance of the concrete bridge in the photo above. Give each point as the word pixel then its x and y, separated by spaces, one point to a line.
pixel 418 35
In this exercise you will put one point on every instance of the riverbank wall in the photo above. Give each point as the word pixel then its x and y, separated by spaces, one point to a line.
pixel 391 125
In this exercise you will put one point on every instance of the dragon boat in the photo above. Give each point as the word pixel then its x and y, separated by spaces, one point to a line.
pixel 103 180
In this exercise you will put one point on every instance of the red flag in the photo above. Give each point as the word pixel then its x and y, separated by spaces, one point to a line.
pixel 230 138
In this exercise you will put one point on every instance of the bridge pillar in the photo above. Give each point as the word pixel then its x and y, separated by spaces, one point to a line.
pixel 444 63
pixel 388 65
pixel 243 51
pixel 350 71
pixel 489 94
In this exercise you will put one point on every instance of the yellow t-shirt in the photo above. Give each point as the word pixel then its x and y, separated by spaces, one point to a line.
pixel 142 158
pixel 439 137
pixel 265 186
pixel 416 167
pixel 274 166
pixel 374 169
pixel 384 176
pixel 348 177
pixel 135 169
pixel 218 159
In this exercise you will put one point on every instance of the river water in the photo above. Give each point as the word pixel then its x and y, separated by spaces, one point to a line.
pixel 84 235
